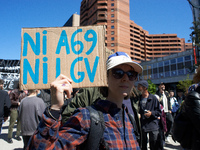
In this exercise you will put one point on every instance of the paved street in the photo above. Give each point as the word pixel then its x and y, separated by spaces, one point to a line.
pixel 4 145
pixel 18 145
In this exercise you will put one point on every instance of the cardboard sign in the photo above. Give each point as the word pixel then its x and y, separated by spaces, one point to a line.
pixel 77 52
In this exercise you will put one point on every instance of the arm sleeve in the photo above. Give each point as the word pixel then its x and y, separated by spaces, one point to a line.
pixel 49 134
pixel 85 97
pixel 157 110
pixel 192 109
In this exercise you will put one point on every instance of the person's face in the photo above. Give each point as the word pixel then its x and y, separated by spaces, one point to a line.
pixel 140 88
pixel 120 86
pixel 171 94
pixel 162 87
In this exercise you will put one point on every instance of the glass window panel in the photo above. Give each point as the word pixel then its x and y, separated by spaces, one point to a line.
pixel 149 71
pixel 155 76
pixel 160 69
pixel 160 64
pixel 180 59
pixel 166 68
pixel 155 70
pixel 145 77
pixel 145 72
pixel 180 66
pixel 155 65
pixel 166 63
pixel 161 75
pixel 181 72
pixel 149 66
pixel 173 73
pixel 149 76
pixel 188 64
pixel 187 58
pixel 173 67
pixel 173 61
pixel 167 74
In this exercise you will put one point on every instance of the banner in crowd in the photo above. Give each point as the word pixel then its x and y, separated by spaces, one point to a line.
pixel 77 52
pixel 9 72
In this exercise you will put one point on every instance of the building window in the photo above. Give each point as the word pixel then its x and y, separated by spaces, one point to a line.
pixel 112 27
pixel 112 38
pixel 112 21
pixel 112 15
pixel 113 50
pixel 112 44
pixel 112 10
pixel 112 4
pixel 112 32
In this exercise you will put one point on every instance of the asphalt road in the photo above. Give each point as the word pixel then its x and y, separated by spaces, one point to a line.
pixel 18 145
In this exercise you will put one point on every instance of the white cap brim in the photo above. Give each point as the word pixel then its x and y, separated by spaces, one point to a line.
pixel 118 60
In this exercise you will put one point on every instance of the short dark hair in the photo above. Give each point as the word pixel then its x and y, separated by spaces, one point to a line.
pixel 162 83
pixel 1 81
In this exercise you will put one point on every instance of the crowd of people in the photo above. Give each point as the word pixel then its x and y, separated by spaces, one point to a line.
pixel 126 117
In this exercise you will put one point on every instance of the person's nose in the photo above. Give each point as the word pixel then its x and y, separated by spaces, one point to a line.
pixel 125 77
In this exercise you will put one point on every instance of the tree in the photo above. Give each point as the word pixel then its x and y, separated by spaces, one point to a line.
pixel 185 84
pixel 152 87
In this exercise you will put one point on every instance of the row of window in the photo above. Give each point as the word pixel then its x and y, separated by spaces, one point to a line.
pixel 173 67
pixel 168 74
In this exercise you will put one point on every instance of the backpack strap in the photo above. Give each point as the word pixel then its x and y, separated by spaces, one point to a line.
pixel 97 128
pixel 136 131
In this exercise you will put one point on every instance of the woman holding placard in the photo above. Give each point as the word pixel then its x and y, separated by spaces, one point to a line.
pixel 118 132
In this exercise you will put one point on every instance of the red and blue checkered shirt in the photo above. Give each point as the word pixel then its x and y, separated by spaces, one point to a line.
pixel 118 135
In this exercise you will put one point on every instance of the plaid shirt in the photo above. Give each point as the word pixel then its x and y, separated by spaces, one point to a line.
pixel 74 132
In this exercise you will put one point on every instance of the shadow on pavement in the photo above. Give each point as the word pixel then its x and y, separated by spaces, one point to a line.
pixel 4 136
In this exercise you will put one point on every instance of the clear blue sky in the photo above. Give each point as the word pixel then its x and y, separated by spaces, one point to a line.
pixel 155 16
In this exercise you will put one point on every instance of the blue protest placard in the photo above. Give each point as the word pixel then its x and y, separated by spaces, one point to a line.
pixel 77 52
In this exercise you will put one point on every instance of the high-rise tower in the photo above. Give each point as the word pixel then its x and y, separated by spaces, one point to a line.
pixel 122 34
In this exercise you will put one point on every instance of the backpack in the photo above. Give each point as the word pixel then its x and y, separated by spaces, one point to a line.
pixel 175 106
pixel 97 127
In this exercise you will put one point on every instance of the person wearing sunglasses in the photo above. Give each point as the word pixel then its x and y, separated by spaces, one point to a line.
pixel 119 131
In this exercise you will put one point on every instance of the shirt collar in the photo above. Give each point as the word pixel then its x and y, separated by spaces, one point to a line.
pixel 109 107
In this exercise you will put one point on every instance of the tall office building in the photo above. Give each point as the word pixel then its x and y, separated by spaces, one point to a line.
pixel 122 34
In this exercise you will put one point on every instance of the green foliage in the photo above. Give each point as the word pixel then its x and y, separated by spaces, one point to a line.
pixel 185 84
pixel 152 87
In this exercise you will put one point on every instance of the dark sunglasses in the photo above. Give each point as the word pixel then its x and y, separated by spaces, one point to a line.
pixel 119 73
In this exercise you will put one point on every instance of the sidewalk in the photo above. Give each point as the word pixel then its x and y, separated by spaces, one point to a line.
pixel 4 145
pixel 18 145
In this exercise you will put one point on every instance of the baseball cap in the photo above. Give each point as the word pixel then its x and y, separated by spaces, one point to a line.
pixel 119 58
pixel 144 83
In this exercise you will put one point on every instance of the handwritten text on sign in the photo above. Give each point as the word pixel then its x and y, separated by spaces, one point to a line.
pixel 75 52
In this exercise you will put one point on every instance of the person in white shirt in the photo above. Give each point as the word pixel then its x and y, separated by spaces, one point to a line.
pixel 164 100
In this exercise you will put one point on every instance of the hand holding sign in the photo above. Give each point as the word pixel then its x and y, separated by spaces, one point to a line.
pixel 61 84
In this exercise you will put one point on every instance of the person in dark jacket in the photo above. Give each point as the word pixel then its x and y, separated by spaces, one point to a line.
pixel 164 99
pixel 5 104
pixel 191 108
pixel 149 111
